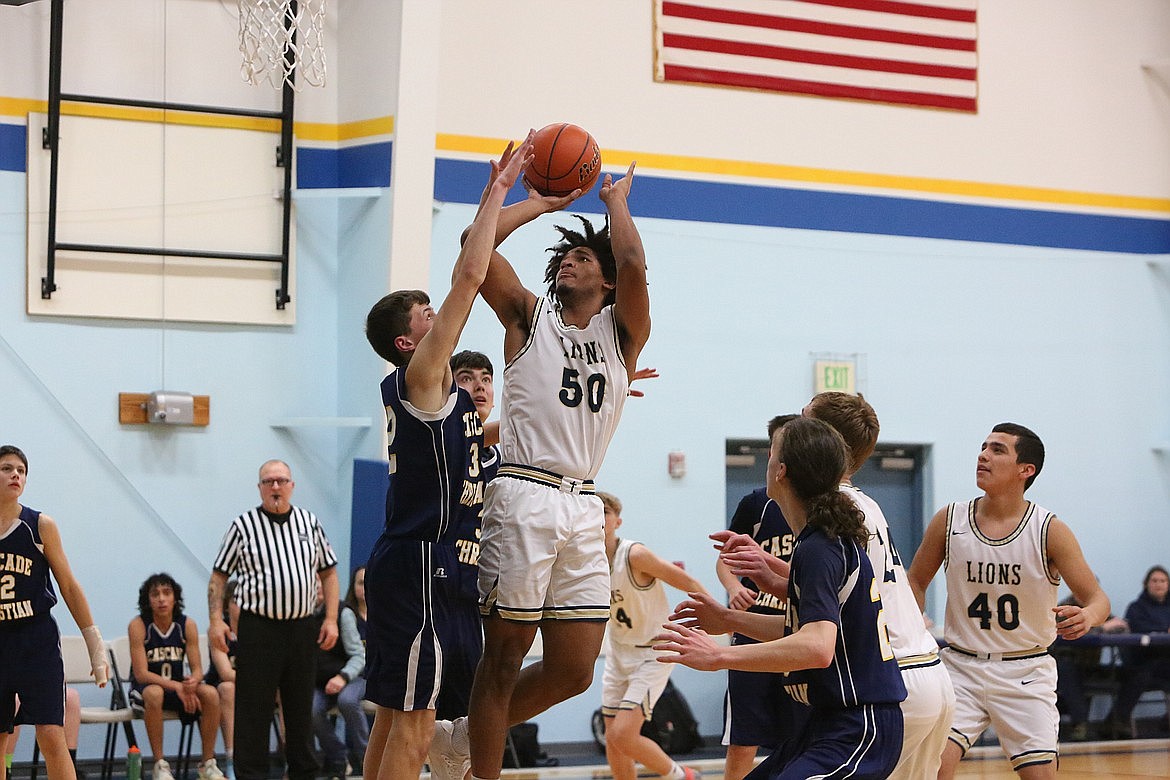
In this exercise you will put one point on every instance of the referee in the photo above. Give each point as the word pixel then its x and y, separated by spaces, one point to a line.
pixel 276 553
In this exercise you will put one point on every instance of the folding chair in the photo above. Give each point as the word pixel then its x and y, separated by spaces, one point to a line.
pixel 120 653
pixel 77 672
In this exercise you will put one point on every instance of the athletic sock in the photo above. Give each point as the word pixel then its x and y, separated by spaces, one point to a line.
pixel 460 739
pixel 676 772
pixel 8 761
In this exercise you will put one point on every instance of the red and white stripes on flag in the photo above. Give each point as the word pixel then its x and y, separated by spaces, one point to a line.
pixel 909 52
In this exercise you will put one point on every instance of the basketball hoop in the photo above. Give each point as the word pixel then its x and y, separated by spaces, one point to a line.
pixel 279 38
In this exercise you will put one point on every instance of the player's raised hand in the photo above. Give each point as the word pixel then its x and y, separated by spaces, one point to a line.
pixel 729 541
pixel 702 611
pixel 620 188
pixel 642 373
pixel 688 647
pixel 550 203
pixel 511 163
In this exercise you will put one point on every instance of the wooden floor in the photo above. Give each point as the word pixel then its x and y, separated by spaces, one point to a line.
pixel 1146 758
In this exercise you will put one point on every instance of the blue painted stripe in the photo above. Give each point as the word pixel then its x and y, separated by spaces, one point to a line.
pixel 366 165
pixel 461 181
pixel 13 146
pixel 745 204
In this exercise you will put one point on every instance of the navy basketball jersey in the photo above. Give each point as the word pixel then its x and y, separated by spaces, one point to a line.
pixel 165 651
pixel 833 580
pixel 436 464
pixel 25 588
pixel 760 518
pixel 468 531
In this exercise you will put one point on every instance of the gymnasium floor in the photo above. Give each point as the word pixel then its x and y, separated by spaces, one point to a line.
pixel 1144 758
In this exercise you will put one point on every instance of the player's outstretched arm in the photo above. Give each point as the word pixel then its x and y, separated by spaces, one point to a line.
pixel 1066 559
pixel 701 610
pixel 74 598
pixel 811 647
pixel 929 556
pixel 632 298
pixel 502 289
pixel 428 375
pixel 649 565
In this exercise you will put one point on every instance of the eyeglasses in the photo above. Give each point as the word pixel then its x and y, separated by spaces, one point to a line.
pixel 275 481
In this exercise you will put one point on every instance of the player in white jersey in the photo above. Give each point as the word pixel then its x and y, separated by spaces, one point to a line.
pixel 569 357
pixel 633 678
pixel 1004 557
pixel 930 696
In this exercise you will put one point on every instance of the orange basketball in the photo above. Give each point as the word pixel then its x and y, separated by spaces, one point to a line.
pixel 566 158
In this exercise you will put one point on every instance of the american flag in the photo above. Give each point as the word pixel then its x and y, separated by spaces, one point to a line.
pixel 909 52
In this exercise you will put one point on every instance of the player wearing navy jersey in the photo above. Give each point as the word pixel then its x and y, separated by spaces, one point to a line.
pixel 421 627
pixel 1004 557
pixel 30 644
pixel 474 373
pixel 162 642
pixel 832 646
pixel 570 357
pixel 756 710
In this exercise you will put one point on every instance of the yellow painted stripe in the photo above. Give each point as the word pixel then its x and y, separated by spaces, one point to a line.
pixel 312 131
pixel 755 170
pixel 21 107
pixel 346 131
pixel 10 106
pixel 450 142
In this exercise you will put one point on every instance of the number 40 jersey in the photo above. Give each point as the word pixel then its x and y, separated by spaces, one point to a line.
pixel 1000 592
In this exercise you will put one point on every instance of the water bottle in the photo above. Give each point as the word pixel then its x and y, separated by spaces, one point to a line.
pixel 133 763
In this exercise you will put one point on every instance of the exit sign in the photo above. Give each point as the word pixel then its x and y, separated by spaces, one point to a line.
pixel 835 376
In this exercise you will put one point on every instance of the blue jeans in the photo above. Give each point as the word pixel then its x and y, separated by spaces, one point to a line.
pixel 349 705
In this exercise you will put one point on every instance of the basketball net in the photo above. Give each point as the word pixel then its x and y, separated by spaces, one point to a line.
pixel 279 38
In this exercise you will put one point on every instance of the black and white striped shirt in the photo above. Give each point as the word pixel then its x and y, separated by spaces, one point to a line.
pixel 276 561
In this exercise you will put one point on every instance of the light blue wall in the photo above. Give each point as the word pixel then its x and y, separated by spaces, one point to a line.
pixel 132 500
pixel 957 336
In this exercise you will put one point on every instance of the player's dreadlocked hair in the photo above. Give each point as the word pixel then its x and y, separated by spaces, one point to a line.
pixel 598 241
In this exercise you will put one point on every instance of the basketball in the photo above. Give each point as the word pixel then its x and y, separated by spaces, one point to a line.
pixel 566 158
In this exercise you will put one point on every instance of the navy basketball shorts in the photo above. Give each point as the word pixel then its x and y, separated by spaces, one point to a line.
pixel 858 743
pixel 758 711
pixel 31 668
pixel 420 628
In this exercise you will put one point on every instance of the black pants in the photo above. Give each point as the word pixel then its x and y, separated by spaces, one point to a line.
pixel 274 655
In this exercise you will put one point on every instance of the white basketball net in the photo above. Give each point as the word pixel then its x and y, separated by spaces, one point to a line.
pixel 281 37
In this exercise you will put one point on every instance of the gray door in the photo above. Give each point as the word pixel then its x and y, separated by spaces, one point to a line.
pixel 893 476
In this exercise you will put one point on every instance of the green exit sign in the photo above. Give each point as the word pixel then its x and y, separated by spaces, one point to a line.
pixel 835 376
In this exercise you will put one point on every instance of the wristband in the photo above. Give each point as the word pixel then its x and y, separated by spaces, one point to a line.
pixel 97 654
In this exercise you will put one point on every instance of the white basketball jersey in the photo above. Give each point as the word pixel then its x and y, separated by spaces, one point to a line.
pixel 563 394
pixel 1000 592
pixel 636 611
pixel 909 636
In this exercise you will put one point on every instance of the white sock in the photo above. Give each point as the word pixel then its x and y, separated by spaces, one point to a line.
pixel 460 739
pixel 676 772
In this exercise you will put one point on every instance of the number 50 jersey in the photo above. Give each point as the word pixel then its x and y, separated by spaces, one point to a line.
pixel 563 394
